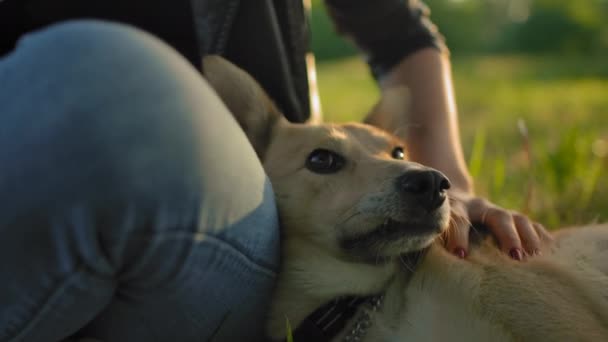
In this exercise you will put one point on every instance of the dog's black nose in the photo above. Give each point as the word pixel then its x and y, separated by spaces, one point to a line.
pixel 424 187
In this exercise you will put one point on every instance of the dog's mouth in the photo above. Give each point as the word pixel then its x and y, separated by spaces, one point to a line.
pixel 392 238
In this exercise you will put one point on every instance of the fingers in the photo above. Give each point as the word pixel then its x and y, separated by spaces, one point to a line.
pixel 527 234
pixel 542 232
pixel 458 237
pixel 500 222
pixel 516 234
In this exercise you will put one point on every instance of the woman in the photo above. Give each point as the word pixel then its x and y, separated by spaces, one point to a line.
pixel 133 207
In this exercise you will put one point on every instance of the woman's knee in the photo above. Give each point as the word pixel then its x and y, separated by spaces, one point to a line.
pixel 110 112
pixel 106 78
pixel 108 121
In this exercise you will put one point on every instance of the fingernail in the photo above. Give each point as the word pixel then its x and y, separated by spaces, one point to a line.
pixel 516 254
pixel 460 252
pixel 537 252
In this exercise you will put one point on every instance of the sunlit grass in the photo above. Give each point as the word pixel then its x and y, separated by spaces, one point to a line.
pixel 288 330
pixel 560 177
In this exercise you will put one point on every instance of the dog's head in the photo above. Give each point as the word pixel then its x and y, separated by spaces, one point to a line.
pixel 349 189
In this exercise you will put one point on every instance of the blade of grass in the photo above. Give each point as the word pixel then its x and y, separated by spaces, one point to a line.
pixel 288 329
pixel 476 160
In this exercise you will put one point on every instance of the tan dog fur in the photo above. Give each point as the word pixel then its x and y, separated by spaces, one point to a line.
pixel 560 296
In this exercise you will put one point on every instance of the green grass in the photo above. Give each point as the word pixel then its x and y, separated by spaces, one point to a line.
pixel 558 172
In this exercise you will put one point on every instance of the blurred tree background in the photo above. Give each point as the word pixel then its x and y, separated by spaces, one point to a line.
pixel 531 79
pixel 497 26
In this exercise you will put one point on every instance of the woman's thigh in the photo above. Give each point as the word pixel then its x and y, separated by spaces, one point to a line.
pixel 133 207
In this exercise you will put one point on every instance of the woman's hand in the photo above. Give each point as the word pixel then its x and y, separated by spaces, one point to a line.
pixel 517 235
pixel 425 116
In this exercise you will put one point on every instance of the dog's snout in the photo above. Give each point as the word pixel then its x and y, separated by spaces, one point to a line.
pixel 426 187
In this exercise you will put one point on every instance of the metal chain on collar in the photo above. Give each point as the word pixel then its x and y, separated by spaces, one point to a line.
pixel 364 320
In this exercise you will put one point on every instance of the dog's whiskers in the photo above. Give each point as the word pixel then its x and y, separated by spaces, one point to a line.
pixel 377 260
pixel 447 233
pixel 465 220
pixel 443 238
pixel 353 215
pixel 307 216
pixel 405 263
pixel 381 247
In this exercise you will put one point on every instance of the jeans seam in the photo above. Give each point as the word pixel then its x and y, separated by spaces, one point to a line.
pixel 46 305
pixel 199 237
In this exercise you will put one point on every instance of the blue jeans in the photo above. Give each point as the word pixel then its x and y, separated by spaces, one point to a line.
pixel 132 207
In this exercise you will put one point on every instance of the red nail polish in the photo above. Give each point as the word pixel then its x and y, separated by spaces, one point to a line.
pixel 516 254
pixel 460 252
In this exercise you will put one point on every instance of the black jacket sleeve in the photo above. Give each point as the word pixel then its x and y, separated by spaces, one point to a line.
pixel 171 21
pixel 385 30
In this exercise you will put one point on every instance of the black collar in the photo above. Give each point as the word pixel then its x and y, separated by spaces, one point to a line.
pixel 328 321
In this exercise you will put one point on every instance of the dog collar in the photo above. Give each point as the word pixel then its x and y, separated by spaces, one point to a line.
pixel 325 323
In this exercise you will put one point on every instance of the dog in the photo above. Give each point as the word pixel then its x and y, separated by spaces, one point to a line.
pixel 361 222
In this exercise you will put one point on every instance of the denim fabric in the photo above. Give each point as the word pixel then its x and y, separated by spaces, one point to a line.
pixel 132 207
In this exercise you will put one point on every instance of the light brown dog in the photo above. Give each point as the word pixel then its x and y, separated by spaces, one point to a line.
pixel 351 206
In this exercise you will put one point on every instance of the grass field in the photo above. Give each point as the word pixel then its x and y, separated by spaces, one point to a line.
pixel 559 174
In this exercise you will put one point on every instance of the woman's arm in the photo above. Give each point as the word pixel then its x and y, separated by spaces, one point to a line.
pixel 385 30
pixel 432 123
pixel 430 126
pixel 404 48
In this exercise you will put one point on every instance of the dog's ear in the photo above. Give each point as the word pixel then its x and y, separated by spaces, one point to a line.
pixel 247 101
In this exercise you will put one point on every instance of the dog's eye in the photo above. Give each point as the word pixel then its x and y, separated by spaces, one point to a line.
pixel 398 153
pixel 324 161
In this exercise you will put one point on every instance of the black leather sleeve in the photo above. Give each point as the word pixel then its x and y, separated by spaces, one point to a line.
pixel 385 30
pixel 171 21
pixel 12 24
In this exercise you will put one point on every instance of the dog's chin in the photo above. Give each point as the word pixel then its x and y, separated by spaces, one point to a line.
pixel 393 238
